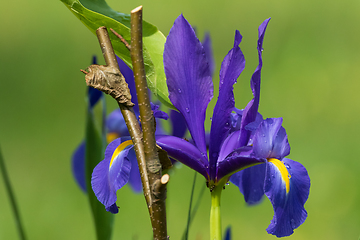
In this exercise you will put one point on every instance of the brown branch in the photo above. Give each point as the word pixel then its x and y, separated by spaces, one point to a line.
pixel 157 209
pixel 127 45
pixel 126 109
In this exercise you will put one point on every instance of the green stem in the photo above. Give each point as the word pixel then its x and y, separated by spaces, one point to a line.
pixel 215 215
pixel 12 198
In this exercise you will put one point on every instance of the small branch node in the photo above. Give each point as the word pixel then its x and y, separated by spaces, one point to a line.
pixel 159 188
pixel 83 71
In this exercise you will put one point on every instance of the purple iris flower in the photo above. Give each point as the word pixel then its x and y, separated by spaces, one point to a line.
pixel 117 168
pixel 238 141
pixel 116 128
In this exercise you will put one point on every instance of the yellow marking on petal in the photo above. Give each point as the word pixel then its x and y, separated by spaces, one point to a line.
pixel 119 149
pixel 111 137
pixel 283 170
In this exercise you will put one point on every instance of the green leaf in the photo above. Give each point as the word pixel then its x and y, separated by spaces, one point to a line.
pixel 96 13
pixel 94 153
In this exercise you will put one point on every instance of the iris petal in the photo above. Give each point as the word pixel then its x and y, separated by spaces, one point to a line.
pixel 178 124
pixel 237 160
pixel 231 68
pixel 115 123
pixel 112 173
pixel 134 178
pixel 228 145
pixel 94 96
pixel 270 139
pixel 157 112
pixel 251 183
pixel 188 78
pixel 208 52
pixel 129 78
pixel 78 166
pixel 251 109
pixel 184 152
pixel 288 202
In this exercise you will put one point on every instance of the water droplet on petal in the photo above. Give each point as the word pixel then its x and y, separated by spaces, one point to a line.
pixel 292 221
pixel 179 90
pixel 227 184
pixel 211 119
pixel 187 110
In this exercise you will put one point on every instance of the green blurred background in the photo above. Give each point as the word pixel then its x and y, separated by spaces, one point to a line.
pixel 310 78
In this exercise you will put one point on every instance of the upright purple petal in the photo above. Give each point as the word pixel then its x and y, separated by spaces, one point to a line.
pixel 208 52
pixel 270 139
pixel 231 68
pixel 112 173
pixel 228 145
pixel 227 233
pixel 188 78
pixel 78 166
pixel 94 94
pixel 178 124
pixel 115 123
pixel 157 112
pixel 184 152
pixel 287 186
pixel 129 78
pixel 250 112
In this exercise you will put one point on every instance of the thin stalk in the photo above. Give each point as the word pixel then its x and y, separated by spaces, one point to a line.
pixel 198 201
pixel 157 208
pixel 215 215
pixel 12 198
pixel 186 233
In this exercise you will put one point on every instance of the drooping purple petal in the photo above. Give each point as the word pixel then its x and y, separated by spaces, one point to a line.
pixel 231 68
pixel 112 173
pixel 78 166
pixel 129 78
pixel 188 78
pixel 251 183
pixel 178 124
pixel 251 109
pixel 270 139
pixel 237 160
pixel 184 152
pixel 134 178
pixel 209 52
pixel 287 186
